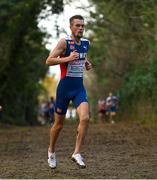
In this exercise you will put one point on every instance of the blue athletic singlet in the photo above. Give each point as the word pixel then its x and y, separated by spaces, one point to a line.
pixel 71 85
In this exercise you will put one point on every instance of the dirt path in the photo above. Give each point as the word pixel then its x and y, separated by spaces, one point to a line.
pixel 111 151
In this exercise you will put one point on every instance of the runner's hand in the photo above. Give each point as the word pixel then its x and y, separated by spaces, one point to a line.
pixel 73 55
pixel 88 65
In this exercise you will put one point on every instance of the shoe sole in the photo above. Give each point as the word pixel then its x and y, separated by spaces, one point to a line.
pixel 53 167
pixel 74 160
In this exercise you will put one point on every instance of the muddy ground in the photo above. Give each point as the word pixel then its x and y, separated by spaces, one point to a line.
pixel 122 150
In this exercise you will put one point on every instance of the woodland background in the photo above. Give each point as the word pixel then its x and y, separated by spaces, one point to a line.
pixel 123 35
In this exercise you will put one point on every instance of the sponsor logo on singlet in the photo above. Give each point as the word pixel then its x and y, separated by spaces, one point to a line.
pixel 75 68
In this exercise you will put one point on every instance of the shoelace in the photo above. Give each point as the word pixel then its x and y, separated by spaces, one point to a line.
pixel 52 157
pixel 79 156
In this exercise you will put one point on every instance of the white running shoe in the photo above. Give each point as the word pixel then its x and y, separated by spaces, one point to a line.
pixel 52 160
pixel 79 160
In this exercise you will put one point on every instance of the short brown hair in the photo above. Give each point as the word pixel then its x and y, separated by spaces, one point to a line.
pixel 75 17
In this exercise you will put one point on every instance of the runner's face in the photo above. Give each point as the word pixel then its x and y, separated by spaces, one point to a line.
pixel 77 27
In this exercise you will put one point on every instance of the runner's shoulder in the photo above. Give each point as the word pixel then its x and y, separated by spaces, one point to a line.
pixel 62 43
pixel 85 40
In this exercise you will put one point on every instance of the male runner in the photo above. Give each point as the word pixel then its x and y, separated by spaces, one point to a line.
pixel 70 53
pixel 101 110
pixel 112 105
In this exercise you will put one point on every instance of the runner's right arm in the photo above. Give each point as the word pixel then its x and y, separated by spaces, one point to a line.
pixel 54 57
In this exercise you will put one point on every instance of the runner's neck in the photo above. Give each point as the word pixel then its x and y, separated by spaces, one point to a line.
pixel 76 39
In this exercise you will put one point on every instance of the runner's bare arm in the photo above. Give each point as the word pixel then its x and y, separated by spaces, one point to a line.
pixel 54 57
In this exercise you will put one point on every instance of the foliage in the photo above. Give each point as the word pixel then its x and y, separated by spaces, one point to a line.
pixel 49 83
pixel 123 48
pixel 22 56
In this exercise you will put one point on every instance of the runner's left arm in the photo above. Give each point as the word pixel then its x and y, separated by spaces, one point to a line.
pixel 88 65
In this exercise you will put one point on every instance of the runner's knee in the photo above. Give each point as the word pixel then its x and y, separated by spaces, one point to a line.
pixel 58 127
pixel 84 119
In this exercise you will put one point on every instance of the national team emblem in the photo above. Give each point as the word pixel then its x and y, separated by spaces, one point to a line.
pixel 72 42
pixel 72 47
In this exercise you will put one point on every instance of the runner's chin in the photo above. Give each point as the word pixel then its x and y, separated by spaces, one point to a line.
pixel 80 34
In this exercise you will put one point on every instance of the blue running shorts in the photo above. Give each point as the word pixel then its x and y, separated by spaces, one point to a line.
pixel 69 88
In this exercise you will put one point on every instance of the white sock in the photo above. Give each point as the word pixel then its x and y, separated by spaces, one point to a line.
pixel 51 154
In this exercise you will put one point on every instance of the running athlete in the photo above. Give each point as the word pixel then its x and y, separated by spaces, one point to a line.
pixel 101 110
pixel 112 105
pixel 70 53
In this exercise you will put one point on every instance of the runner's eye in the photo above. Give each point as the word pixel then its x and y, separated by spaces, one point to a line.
pixel 79 25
